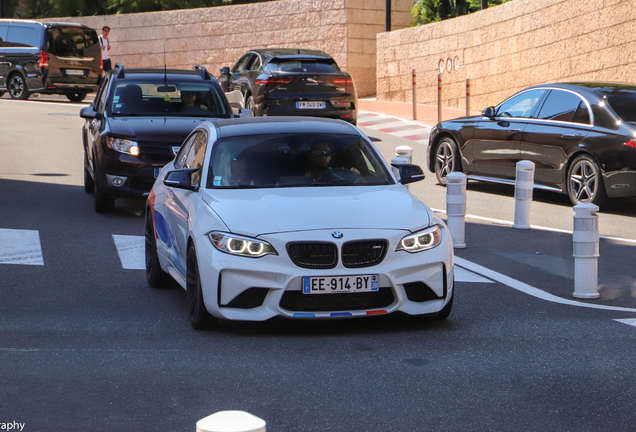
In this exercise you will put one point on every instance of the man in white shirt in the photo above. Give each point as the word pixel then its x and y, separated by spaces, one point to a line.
pixel 105 44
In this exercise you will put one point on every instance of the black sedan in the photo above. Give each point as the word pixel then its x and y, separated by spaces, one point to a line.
pixel 285 81
pixel 580 136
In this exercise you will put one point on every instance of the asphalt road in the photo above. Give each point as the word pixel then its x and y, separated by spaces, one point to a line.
pixel 85 344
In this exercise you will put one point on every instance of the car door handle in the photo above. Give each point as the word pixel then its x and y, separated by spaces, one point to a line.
pixel 570 135
pixel 514 130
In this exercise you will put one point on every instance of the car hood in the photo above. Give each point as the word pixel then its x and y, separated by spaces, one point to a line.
pixel 254 212
pixel 158 129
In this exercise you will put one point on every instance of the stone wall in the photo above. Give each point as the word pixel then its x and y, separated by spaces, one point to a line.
pixel 216 37
pixel 508 47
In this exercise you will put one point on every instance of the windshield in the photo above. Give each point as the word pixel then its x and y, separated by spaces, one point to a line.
pixel 70 41
pixel 623 102
pixel 295 160
pixel 172 100
pixel 303 65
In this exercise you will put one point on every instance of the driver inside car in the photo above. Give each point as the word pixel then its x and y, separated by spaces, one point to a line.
pixel 320 158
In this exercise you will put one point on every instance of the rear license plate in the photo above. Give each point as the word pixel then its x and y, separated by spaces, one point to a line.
pixel 157 172
pixel 310 105
pixel 340 284
pixel 74 72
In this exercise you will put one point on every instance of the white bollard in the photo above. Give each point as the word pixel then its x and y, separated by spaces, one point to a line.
pixel 585 238
pixel 524 184
pixel 403 154
pixel 231 421
pixel 456 207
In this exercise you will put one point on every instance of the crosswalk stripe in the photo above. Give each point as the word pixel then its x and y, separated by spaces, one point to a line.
pixel 20 247
pixel 131 251
pixel 628 321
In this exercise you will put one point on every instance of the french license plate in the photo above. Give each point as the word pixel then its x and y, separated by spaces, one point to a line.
pixel 310 105
pixel 74 72
pixel 157 172
pixel 341 284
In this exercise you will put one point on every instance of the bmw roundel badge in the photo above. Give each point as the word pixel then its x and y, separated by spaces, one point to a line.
pixel 337 234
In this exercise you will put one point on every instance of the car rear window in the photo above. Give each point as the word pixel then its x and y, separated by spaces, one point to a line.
pixel 295 160
pixel 623 102
pixel 138 98
pixel 303 65
pixel 70 41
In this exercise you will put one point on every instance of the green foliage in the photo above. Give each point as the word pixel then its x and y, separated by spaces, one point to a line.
pixel 428 11
pixel 59 8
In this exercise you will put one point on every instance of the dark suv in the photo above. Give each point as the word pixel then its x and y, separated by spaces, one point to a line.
pixel 137 123
pixel 52 58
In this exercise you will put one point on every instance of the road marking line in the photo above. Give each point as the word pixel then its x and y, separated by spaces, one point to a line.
pixel 628 321
pixel 530 290
pixel 131 251
pixel 20 247
pixel 539 227
pixel 463 275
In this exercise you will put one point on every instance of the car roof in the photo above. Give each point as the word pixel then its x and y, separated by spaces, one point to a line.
pixel 591 88
pixel 158 74
pixel 280 125
pixel 292 53
pixel 45 24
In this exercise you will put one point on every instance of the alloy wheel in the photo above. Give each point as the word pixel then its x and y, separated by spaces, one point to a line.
pixel 445 158
pixel 584 181
pixel 17 88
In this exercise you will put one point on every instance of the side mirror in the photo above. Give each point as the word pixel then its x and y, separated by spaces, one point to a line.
pixel 90 113
pixel 244 112
pixel 489 112
pixel 181 179
pixel 409 173
pixel 225 71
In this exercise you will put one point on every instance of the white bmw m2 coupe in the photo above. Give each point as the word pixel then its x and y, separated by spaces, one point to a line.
pixel 294 217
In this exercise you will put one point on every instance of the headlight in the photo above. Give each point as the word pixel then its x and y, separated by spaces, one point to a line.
pixel 239 245
pixel 123 145
pixel 423 240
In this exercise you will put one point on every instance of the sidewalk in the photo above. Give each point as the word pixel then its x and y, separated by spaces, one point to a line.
pixel 426 114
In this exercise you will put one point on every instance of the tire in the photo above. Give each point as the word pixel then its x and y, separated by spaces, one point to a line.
pixel 17 87
pixel 156 277
pixel 200 318
pixel 76 97
pixel 249 104
pixel 446 310
pixel 446 159
pixel 585 182
pixel 89 184
pixel 103 203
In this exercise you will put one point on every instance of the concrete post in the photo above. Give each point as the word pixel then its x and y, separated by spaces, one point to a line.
pixel 524 184
pixel 467 96
pixel 403 154
pixel 439 98
pixel 585 239
pixel 231 421
pixel 456 207
pixel 414 103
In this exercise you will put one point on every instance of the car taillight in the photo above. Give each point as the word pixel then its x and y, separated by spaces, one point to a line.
pixel 101 63
pixel 44 60
pixel 273 81
pixel 342 81
pixel 631 143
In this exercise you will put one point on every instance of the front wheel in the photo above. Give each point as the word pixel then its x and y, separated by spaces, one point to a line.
pixel 89 184
pixel 200 318
pixel 17 87
pixel 103 202
pixel 156 277
pixel 585 182
pixel 76 97
pixel 446 159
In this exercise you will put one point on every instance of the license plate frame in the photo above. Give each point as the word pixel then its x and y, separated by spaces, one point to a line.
pixel 340 284
pixel 311 105
pixel 75 72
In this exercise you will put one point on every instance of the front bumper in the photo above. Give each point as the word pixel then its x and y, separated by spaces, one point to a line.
pixel 137 175
pixel 276 281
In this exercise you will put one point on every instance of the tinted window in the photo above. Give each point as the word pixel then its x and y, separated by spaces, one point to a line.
pixel 623 102
pixel 289 160
pixel 182 156
pixel 582 114
pixel 195 156
pixel 3 35
pixel 23 37
pixel 131 98
pixel 303 65
pixel 560 106
pixel 256 64
pixel 70 41
pixel 521 105
pixel 240 65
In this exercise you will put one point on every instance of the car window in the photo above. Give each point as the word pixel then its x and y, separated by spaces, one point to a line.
pixel 623 102
pixel 102 97
pixel 181 158
pixel 139 98
pixel 520 105
pixel 240 65
pixel 4 29
pixel 70 41
pixel 303 65
pixel 195 156
pixel 256 64
pixel 295 160
pixel 561 106
pixel 23 37
pixel 582 114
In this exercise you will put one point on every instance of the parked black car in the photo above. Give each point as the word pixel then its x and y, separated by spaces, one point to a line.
pixel 285 81
pixel 137 123
pixel 52 58
pixel 580 136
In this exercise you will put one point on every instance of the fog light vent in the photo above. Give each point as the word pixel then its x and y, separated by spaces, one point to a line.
pixel 117 181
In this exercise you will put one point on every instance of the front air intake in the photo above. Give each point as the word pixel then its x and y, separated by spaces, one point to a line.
pixel 317 255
